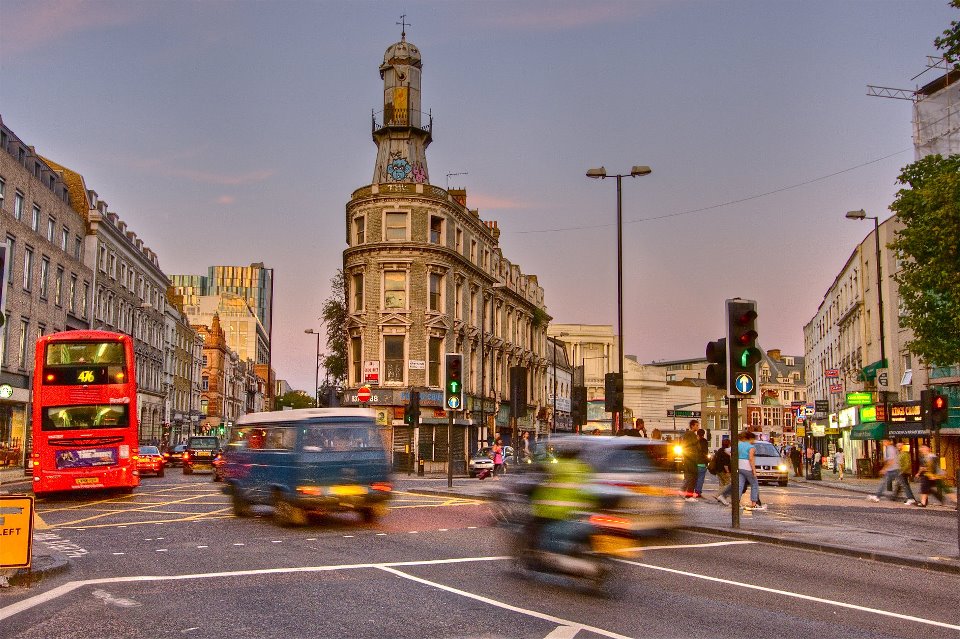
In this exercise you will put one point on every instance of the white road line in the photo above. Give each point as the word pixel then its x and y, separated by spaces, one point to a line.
pixel 795 595
pixel 505 606
pixel 705 545
pixel 563 632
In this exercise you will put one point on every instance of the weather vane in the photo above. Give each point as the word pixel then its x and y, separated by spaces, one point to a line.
pixel 403 26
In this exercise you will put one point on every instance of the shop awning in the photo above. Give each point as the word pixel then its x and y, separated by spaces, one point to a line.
pixel 869 431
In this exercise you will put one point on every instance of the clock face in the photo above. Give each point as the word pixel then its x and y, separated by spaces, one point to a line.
pixel 6 391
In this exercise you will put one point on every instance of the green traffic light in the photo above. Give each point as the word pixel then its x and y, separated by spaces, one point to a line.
pixel 454 386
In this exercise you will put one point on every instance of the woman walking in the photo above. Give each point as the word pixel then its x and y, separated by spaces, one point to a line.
pixel 496 453
pixel 838 462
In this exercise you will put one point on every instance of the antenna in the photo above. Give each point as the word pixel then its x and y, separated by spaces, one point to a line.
pixel 450 174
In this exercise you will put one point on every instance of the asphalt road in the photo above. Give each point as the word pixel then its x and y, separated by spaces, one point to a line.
pixel 172 561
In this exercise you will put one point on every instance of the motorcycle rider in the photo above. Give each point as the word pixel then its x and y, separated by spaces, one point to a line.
pixel 563 492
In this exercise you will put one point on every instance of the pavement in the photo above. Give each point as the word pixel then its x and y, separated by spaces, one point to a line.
pixel 905 548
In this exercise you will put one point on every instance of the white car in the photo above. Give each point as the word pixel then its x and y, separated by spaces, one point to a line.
pixel 770 465
pixel 481 460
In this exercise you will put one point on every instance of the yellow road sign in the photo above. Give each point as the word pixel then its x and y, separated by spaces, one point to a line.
pixel 16 531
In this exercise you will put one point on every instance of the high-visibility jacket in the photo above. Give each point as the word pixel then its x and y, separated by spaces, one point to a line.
pixel 564 491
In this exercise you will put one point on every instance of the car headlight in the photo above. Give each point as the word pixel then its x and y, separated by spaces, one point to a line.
pixel 782 467
pixel 678 450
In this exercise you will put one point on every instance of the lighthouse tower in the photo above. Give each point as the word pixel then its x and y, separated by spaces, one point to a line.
pixel 401 135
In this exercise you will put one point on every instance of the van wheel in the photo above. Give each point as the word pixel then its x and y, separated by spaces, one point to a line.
pixel 241 507
pixel 371 514
pixel 187 470
pixel 286 514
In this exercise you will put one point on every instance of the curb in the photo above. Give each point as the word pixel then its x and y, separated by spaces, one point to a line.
pixel 951 568
pixel 43 566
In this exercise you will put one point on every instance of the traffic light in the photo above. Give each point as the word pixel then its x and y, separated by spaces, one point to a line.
pixel 453 388
pixel 744 355
pixel 613 392
pixel 717 369
pixel 411 416
pixel 578 408
pixel 935 407
pixel 518 391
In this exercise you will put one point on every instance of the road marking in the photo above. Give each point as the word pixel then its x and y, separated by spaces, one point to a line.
pixel 563 632
pixel 506 606
pixel 795 595
pixel 706 545
pixel 161 550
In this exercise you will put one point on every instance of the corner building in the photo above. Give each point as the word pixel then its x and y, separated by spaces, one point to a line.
pixel 425 276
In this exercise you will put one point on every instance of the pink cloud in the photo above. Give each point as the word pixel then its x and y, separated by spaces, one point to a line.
pixel 486 202
pixel 226 199
pixel 171 166
pixel 40 23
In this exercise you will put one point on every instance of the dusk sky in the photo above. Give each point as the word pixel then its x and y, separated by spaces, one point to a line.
pixel 234 132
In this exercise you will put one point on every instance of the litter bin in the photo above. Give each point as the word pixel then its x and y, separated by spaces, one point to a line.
pixel 420 471
pixel 814 473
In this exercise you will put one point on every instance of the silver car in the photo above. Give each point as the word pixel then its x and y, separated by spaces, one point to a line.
pixel 481 460
pixel 770 465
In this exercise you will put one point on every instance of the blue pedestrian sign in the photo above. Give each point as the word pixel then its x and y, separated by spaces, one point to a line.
pixel 744 384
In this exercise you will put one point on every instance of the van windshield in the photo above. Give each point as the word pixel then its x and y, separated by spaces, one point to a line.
pixel 321 438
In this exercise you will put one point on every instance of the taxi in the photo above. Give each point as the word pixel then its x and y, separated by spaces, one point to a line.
pixel 150 461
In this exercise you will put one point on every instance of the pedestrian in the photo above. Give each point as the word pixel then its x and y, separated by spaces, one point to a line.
pixel 704 450
pixel 838 462
pixel 889 470
pixel 905 466
pixel 817 461
pixel 656 434
pixel 721 464
pixel 496 454
pixel 929 477
pixel 746 471
pixel 690 444
pixel 641 428
pixel 797 458
pixel 525 448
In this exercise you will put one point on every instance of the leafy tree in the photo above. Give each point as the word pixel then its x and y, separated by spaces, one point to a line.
pixel 295 399
pixel 929 247
pixel 335 316
pixel 949 43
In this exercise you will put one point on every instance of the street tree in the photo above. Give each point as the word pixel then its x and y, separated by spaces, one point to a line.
pixel 335 317
pixel 949 42
pixel 295 399
pixel 928 249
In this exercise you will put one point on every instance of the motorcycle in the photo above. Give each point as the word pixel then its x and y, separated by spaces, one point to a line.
pixel 581 548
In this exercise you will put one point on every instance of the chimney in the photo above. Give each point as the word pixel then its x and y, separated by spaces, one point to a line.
pixel 459 196
pixel 774 354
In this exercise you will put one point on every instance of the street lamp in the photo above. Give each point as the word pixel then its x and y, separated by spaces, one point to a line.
pixel 601 174
pixel 316 379
pixel 861 215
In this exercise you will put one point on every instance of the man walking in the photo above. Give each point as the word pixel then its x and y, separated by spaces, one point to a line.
pixel 721 462
pixel 905 466
pixel 796 457
pixel 703 450
pixel 889 470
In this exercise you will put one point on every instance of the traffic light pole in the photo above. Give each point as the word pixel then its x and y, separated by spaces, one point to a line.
pixel 449 449
pixel 733 416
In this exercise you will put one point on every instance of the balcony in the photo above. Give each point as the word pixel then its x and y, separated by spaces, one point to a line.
pixel 390 118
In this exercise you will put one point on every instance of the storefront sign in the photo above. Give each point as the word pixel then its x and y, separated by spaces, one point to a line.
pixel 416 364
pixel 822 405
pixel 818 430
pixel 905 412
pixel 371 371
pixel 831 373
pixel 859 398
pixel 868 413
pixel 836 388
pixel 847 418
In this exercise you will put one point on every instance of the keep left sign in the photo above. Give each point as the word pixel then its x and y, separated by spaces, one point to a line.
pixel 16 531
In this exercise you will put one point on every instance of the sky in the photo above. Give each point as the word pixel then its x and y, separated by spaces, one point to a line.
pixel 234 132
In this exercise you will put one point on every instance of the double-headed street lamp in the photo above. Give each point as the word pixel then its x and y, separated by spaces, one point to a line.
pixel 862 215
pixel 601 174
pixel 316 379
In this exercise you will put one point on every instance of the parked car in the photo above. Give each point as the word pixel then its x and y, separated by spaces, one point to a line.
pixel 149 460
pixel 199 453
pixel 481 460
pixel 770 465
pixel 174 456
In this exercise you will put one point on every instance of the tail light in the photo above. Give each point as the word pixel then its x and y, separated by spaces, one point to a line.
pixel 186 456
pixel 382 486
pixel 610 521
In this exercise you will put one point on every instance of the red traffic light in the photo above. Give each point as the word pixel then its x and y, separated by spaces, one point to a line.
pixel 939 402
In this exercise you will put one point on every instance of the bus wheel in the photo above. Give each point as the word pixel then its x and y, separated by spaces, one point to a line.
pixel 286 514
pixel 241 508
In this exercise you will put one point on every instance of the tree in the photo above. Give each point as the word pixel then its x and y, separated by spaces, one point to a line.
pixel 928 248
pixel 949 43
pixel 295 399
pixel 335 316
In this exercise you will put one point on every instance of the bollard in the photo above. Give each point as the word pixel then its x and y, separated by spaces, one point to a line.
pixel 420 471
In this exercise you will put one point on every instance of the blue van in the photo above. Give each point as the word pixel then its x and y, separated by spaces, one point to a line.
pixel 308 460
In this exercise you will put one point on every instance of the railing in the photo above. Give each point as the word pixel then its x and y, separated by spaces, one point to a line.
pixel 391 117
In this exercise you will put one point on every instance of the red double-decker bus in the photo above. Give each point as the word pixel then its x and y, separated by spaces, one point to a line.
pixel 84 412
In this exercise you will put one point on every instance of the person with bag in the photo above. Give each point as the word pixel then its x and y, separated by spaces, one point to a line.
pixel 721 468
pixel 496 454
pixel 929 476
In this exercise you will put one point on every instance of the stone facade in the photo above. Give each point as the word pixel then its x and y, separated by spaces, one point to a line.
pixel 47 283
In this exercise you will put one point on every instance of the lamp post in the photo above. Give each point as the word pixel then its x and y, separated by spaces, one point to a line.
pixel 316 379
pixel 601 174
pixel 861 215
pixel 553 426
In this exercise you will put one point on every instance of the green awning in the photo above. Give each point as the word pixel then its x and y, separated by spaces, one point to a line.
pixel 869 431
